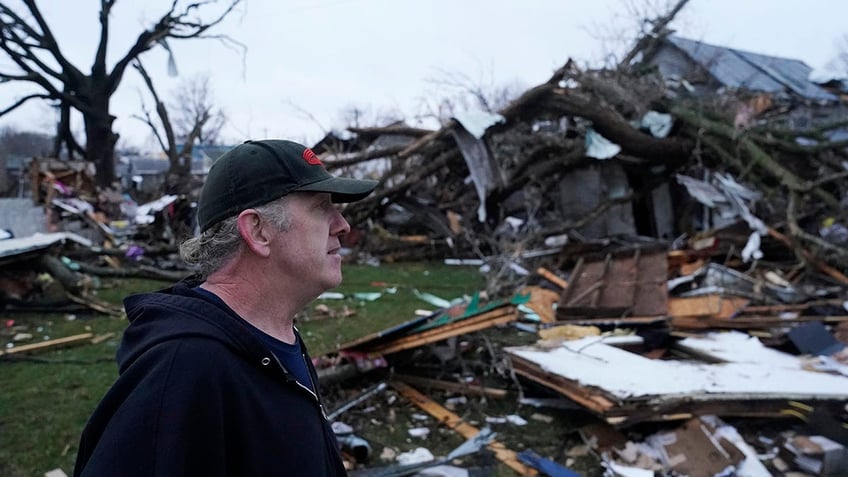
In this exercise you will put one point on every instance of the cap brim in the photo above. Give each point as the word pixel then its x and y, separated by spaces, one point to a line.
pixel 342 189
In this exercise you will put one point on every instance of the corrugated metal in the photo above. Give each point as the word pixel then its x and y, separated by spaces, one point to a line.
pixel 19 246
pixel 792 73
pixel 21 216
pixel 751 71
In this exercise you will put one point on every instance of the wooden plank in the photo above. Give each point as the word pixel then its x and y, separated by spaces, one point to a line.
pixel 628 416
pixel 752 310
pixel 652 296
pixel 59 342
pixel 462 323
pixel 383 335
pixel 552 277
pixel 616 322
pixel 569 290
pixel 620 279
pixel 459 425
pixel 101 338
pixel 715 306
pixel 589 372
pixel 745 322
pixel 444 332
pixel 452 387
pixel 571 389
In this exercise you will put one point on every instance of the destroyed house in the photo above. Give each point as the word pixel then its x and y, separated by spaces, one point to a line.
pixel 148 173
pixel 782 84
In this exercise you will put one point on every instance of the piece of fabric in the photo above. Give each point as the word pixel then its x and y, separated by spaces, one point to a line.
pixel 199 394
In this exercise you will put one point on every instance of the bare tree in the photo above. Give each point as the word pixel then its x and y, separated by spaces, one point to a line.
pixel 27 40
pixel 195 119
pixel 192 104
pixel 457 92
pixel 355 116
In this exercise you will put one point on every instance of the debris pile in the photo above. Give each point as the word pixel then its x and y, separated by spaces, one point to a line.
pixel 666 265
pixel 678 357
pixel 664 253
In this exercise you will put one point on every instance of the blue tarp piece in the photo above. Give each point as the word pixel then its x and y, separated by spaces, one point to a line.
pixel 546 466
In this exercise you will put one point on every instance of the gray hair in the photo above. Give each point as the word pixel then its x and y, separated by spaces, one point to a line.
pixel 213 248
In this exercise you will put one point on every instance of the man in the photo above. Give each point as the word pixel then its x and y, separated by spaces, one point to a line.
pixel 214 378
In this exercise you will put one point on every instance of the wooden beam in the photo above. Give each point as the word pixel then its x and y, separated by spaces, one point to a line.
pixel 66 341
pixel 750 310
pixel 617 322
pixel 574 391
pixel 715 306
pixel 485 320
pixel 459 425
pixel 552 277
pixel 745 322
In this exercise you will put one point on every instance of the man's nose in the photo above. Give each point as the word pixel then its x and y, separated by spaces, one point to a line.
pixel 340 225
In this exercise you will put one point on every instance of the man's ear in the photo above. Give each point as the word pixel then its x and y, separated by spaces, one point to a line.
pixel 254 231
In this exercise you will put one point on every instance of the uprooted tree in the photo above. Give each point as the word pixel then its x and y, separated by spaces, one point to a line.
pixel 542 139
pixel 29 43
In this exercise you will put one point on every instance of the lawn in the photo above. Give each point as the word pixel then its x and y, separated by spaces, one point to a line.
pixel 47 397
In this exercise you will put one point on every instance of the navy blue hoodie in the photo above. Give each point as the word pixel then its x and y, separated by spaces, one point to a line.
pixel 199 394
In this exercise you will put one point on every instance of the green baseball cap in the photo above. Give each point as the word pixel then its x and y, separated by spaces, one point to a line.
pixel 257 172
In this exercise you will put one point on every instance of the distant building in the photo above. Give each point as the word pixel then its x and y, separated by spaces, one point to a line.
pixel 14 176
pixel 783 85
pixel 147 173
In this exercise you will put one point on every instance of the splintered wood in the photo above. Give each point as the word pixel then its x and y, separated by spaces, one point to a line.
pixel 498 316
pixel 453 421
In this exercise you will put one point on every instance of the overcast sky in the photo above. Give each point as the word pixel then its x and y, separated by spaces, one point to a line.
pixel 307 61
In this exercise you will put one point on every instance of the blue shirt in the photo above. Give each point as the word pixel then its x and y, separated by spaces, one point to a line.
pixel 291 356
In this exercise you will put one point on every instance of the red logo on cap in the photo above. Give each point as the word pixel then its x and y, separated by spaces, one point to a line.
pixel 311 157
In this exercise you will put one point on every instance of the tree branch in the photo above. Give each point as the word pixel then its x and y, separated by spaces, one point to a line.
pixel 169 26
pixel 23 100
pixel 366 156
pixel 48 41
pixel 169 147
pixel 649 40
pixel 99 66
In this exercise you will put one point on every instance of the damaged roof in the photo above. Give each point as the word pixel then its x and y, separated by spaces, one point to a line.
pixel 752 71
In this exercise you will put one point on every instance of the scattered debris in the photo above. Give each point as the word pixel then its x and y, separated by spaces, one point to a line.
pixel 666 258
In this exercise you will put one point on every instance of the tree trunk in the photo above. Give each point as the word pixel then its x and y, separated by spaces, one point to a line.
pixel 100 143
pixel 178 177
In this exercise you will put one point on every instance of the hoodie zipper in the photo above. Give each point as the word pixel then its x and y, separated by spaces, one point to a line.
pixel 313 394
pixel 310 391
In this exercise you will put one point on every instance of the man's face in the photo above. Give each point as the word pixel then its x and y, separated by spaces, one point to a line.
pixel 308 251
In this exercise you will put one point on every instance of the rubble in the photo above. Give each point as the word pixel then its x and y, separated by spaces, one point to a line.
pixel 638 336
pixel 668 264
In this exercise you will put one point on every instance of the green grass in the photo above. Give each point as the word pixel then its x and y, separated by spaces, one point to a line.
pixel 325 335
pixel 46 398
